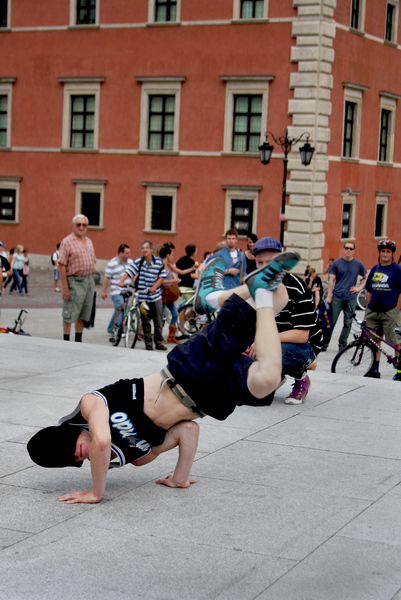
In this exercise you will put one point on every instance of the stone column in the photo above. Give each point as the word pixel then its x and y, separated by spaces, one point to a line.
pixel 314 31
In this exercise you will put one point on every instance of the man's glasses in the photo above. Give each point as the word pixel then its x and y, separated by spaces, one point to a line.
pixel 348 248
pixel 81 224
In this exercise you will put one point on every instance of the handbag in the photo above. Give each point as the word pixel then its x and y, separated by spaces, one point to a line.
pixel 171 293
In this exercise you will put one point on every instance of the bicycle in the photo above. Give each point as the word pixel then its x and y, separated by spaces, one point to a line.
pixel 18 323
pixel 361 299
pixel 126 320
pixel 358 357
pixel 188 321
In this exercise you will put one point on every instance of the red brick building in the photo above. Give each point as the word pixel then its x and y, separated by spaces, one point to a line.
pixel 147 116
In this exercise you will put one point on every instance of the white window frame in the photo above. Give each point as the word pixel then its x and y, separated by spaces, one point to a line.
pixel 152 15
pixel 353 93
pixel 73 15
pixel 236 86
pixel 237 11
pixel 90 186
pixel 11 183
pixel 80 87
pixel 394 38
pixel 237 192
pixel 387 102
pixel 160 189
pixel 6 89
pixel 159 86
pixel 349 198
pixel 381 199
pixel 361 17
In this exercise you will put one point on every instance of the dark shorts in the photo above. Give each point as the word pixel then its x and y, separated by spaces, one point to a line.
pixel 210 365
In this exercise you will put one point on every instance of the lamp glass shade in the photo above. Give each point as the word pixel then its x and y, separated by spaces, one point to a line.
pixel 265 152
pixel 306 152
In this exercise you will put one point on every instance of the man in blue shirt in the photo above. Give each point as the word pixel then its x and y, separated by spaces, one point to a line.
pixel 343 289
pixel 233 258
pixel 383 300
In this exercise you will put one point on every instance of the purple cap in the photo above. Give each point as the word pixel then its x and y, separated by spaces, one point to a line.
pixel 267 243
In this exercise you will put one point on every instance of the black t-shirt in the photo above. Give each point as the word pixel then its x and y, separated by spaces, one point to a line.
pixel 132 432
pixel 5 265
pixel 186 262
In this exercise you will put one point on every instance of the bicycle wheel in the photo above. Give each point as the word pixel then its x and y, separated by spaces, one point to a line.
pixel 361 299
pixel 117 328
pixel 188 321
pixel 355 359
pixel 131 333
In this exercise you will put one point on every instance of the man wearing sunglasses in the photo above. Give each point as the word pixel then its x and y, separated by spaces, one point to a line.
pixel 77 266
pixel 343 289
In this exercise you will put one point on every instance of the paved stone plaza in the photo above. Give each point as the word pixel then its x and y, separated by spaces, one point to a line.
pixel 292 502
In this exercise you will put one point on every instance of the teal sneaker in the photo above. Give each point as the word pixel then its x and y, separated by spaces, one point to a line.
pixel 211 280
pixel 270 276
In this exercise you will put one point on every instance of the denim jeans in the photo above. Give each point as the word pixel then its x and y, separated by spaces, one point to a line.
pixel 296 358
pixel 348 307
pixel 173 310
pixel 118 301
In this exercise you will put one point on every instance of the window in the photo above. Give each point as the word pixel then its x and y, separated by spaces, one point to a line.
pixel 358 14
pixel 241 208
pixel 247 123
pixel 160 207
pixel 3 119
pixel 250 9
pixel 83 12
pixel 82 121
pixel 348 216
pixel 391 21
pixel 245 112
pixel 164 11
pixel 89 200
pixel 4 11
pixel 161 122
pixel 386 132
pixel 81 113
pixel 160 112
pixel 385 125
pixel 381 217
pixel 5 112
pixel 352 119
pixel 349 128
pixel 9 194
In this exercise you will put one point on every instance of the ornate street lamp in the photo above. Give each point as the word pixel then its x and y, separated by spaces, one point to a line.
pixel 306 152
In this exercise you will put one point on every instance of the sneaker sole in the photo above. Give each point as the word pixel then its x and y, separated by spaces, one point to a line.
pixel 280 259
pixel 197 302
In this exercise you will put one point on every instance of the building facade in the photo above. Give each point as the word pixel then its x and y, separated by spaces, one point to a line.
pixel 147 116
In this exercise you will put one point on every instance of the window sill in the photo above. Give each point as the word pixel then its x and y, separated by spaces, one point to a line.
pixel 357 32
pixel 382 163
pixel 4 222
pixel 5 148
pixel 164 24
pixel 240 154
pixel 82 150
pixel 349 159
pixel 84 26
pixel 163 231
pixel 160 152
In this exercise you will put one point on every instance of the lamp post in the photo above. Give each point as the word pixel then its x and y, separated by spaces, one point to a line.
pixel 265 151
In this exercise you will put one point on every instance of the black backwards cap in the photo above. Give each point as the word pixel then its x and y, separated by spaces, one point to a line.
pixel 54 447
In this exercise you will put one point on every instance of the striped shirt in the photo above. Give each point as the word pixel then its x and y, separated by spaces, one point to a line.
pixel 78 257
pixel 149 273
pixel 115 269
pixel 300 313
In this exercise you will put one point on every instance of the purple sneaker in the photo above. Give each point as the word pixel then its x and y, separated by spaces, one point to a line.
pixel 300 389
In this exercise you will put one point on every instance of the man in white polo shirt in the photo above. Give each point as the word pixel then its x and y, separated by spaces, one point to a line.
pixel 115 269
